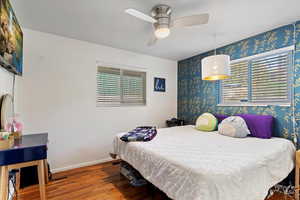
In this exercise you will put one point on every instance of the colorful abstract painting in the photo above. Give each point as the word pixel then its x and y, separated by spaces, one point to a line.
pixel 196 96
pixel 11 39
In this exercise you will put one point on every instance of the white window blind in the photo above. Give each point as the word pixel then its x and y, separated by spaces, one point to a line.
pixel 116 87
pixel 108 86
pixel 133 87
pixel 260 80
pixel 235 89
pixel 270 78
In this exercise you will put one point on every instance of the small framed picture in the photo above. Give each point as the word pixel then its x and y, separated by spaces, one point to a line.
pixel 159 84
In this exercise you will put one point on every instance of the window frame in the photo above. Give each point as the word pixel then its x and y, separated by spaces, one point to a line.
pixel 122 68
pixel 290 50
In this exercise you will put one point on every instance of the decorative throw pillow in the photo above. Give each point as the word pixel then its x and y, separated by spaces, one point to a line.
pixel 220 117
pixel 206 122
pixel 260 126
pixel 234 127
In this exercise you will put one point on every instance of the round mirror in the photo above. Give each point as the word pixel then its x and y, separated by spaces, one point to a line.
pixel 7 110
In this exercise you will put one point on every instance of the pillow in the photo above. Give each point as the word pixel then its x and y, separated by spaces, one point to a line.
pixel 234 126
pixel 260 126
pixel 206 122
pixel 220 117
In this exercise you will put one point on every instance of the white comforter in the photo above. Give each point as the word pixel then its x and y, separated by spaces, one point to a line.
pixel 188 164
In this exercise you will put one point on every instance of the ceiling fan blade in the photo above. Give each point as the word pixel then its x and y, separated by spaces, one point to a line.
pixel 193 20
pixel 152 41
pixel 140 15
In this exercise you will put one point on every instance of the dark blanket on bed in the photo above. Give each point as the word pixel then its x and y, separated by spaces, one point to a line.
pixel 140 134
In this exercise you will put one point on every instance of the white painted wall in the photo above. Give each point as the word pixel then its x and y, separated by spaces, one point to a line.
pixel 6 87
pixel 57 94
pixel 6 82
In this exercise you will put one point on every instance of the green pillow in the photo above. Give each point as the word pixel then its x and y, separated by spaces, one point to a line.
pixel 206 122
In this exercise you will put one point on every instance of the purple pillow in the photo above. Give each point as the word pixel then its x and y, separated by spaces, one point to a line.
pixel 220 117
pixel 260 126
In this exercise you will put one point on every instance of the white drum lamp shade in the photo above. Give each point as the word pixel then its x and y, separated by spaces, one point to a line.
pixel 216 67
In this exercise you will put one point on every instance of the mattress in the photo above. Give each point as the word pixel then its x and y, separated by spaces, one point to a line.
pixel 188 164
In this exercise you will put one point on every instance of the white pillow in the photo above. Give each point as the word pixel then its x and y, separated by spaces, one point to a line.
pixel 234 126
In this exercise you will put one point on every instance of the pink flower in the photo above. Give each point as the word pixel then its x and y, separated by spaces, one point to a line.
pixel 14 126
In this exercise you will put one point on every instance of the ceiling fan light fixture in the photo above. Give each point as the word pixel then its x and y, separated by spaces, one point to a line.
pixel 161 20
pixel 162 32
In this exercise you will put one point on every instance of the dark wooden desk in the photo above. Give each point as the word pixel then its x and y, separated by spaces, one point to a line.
pixel 29 150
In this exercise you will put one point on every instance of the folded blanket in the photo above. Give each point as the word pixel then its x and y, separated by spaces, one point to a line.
pixel 141 134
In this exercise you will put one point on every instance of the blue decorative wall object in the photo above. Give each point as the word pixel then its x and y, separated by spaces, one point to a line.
pixel 159 84
pixel 196 96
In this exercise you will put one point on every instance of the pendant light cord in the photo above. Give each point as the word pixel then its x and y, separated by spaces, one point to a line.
pixel 215 41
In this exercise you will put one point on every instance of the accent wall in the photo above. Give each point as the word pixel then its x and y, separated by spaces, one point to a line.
pixel 196 96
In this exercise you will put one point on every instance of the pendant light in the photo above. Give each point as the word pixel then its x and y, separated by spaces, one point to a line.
pixel 216 67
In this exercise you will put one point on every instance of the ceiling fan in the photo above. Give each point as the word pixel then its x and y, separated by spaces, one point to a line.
pixel 161 20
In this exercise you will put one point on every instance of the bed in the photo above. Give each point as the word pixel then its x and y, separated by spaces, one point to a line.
pixel 188 164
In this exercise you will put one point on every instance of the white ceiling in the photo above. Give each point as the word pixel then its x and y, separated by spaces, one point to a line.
pixel 104 22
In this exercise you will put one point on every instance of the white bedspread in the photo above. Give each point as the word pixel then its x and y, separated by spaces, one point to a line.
pixel 188 164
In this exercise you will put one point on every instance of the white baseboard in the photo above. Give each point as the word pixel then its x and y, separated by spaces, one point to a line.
pixel 85 164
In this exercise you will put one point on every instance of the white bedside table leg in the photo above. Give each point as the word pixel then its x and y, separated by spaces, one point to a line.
pixel 297 183
pixel 297 178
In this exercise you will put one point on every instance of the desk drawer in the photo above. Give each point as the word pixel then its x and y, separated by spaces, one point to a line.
pixel 13 156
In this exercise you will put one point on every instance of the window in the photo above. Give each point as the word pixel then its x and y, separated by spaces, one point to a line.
pixel 117 87
pixel 262 80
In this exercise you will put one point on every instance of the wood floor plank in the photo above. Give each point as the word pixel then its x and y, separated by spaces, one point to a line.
pixel 98 182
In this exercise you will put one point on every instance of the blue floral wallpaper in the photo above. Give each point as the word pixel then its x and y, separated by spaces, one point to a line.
pixel 196 96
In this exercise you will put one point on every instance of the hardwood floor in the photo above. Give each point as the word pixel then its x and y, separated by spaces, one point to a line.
pixel 98 182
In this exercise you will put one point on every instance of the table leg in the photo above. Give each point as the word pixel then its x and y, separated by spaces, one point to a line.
pixel 46 171
pixel 297 182
pixel 41 174
pixel 4 183
pixel 18 180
